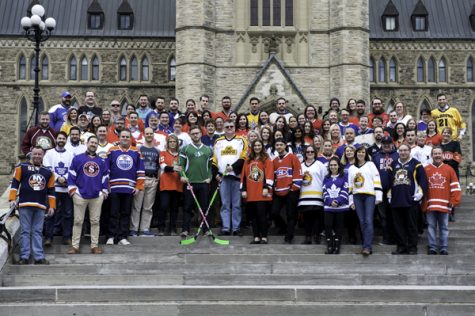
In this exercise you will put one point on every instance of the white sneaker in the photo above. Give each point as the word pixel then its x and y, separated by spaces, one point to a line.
pixel 110 241
pixel 124 242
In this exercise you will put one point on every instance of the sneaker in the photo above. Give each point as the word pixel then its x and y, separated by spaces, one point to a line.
pixel 264 241
pixel 147 233
pixel 73 251
pixel 23 262
pixel 160 232
pixel 255 241
pixel 366 252
pixel 48 242
pixel 96 250
pixel 184 233
pixel 42 261
pixel 237 233
pixel 173 233
pixel 133 233
pixel 110 241
pixel 124 242
pixel 431 252
pixel 224 233
pixel 444 252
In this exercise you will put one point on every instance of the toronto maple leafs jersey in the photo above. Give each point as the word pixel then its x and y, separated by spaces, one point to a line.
pixel 312 182
pixel 88 176
pixel 335 188
pixel 126 170
pixel 59 161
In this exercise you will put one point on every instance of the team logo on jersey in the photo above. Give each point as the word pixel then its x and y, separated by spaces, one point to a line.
pixel 401 177
pixel 37 182
pixel 60 169
pixel 229 151
pixel 283 172
pixel 44 142
pixel 91 169
pixel 124 162
pixel 256 174
pixel 334 191
pixel 385 163
pixel 307 179
pixel 358 181
pixel 437 180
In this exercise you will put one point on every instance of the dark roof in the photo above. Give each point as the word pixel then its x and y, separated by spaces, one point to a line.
pixel 391 9
pixel 447 19
pixel 95 7
pixel 153 18
pixel 125 7
pixel 420 9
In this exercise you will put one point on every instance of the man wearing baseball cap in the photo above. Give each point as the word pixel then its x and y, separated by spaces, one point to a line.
pixel 59 112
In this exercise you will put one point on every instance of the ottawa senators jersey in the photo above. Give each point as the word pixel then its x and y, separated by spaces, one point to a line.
pixel 255 176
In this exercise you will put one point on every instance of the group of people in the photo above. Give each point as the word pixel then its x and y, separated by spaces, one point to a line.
pixel 133 168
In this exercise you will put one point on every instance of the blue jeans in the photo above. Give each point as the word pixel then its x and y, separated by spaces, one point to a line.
pixel 31 224
pixel 231 203
pixel 364 204
pixel 440 219
pixel 63 217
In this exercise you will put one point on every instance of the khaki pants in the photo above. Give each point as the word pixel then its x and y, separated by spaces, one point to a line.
pixel 145 198
pixel 80 206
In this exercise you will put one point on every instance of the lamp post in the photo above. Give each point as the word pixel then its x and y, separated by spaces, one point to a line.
pixel 37 29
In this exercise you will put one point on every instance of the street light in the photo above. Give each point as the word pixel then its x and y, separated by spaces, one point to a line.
pixel 37 29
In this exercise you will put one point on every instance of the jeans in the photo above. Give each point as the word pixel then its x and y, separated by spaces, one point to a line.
pixel 63 215
pixel 364 204
pixel 231 203
pixel 386 218
pixel 31 223
pixel 440 219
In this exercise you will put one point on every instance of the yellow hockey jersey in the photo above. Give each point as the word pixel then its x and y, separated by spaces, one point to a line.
pixel 448 118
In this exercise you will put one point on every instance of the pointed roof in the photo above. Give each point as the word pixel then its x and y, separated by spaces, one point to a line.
pixel 271 60
pixel 420 9
pixel 95 7
pixel 125 8
pixel 390 9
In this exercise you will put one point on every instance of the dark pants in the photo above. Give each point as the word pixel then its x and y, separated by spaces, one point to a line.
pixel 201 191
pixel 119 220
pixel 334 223
pixel 289 202
pixel 386 218
pixel 312 220
pixel 405 225
pixel 257 212
pixel 105 217
pixel 168 204
pixel 352 225
pixel 63 217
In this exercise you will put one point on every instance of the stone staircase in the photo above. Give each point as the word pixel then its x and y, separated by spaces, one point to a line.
pixel 158 276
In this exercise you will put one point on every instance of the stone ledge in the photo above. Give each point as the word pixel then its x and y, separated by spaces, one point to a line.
pixel 12 225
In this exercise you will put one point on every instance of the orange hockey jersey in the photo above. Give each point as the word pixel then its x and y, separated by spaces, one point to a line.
pixel 287 174
pixel 169 180
pixel 444 189
pixel 256 175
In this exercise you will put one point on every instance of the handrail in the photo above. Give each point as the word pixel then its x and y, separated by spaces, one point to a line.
pixel 4 233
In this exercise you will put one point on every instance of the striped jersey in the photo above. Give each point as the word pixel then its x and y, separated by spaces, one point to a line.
pixel 287 174
pixel 444 189
pixel 88 176
pixel 126 170
pixel 312 181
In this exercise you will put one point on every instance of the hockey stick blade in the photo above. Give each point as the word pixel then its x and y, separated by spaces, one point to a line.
pixel 218 241
pixel 189 241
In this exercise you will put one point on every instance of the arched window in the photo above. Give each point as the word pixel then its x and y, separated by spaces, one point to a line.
pixel 84 70
pixel 431 70
pixel 470 69
pixel 382 70
pixel 390 106
pixel 254 12
pixel 420 69
pixel 265 12
pixel 371 70
pixel 123 107
pixel 134 72
pixel 32 67
pixel 392 70
pixel 123 69
pixel 442 70
pixel 75 103
pixel 95 68
pixel 22 120
pixel 172 69
pixel 73 68
pixel 145 69
pixel 22 68
pixel 289 12
pixel 44 68
pixel 425 106
pixel 276 13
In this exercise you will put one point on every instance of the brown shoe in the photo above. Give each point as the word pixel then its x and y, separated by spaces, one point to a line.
pixel 97 250
pixel 365 252
pixel 48 242
pixel 73 251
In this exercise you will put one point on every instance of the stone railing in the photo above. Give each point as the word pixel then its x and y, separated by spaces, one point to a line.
pixel 9 229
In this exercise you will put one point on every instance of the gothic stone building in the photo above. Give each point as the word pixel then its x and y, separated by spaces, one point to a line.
pixel 307 51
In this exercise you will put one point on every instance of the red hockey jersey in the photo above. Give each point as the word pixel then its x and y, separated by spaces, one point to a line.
pixel 444 189
pixel 287 174
pixel 256 175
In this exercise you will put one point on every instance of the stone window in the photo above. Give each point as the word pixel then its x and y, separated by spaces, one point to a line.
pixel 44 68
pixel 84 74
pixel 145 69
pixel 123 69
pixel 22 67
pixel 382 70
pixel 22 120
pixel 470 69
pixel 73 68
pixel 371 70
pixel 442 70
pixel 32 67
pixel 390 23
pixel 431 70
pixel 134 69
pixel 420 23
pixel 393 70
pixel 95 68
pixel 271 12
pixel 420 70
pixel 172 69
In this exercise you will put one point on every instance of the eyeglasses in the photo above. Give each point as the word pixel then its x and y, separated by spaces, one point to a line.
pixel 310 152
pixel 229 126
pixel 114 105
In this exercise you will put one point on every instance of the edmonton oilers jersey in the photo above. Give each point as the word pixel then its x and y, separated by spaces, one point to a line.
pixel 126 170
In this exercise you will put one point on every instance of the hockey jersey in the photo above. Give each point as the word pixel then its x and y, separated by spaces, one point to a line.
pixel 34 185
pixel 230 152
pixel 444 189
pixel 287 174
pixel 58 115
pixel 59 161
pixel 312 182
pixel 365 180
pixel 36 136
pixel 335 188
pixel 448 117
pixel 126 170
pixel 255 176
pixel 88 176
pixel 408 179
pixel 383 162
pixel 169 179
pixel 452 154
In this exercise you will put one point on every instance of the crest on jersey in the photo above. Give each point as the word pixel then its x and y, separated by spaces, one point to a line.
pixel 61 169
pixel 44 142
pixel 307 179
pixel 437 180
pixel 229 150
pixel 91 169
pixel 256 174
pixel 401 177
pixel 358 181
pixel 37 182
pixel 334 191
pixel 124 162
